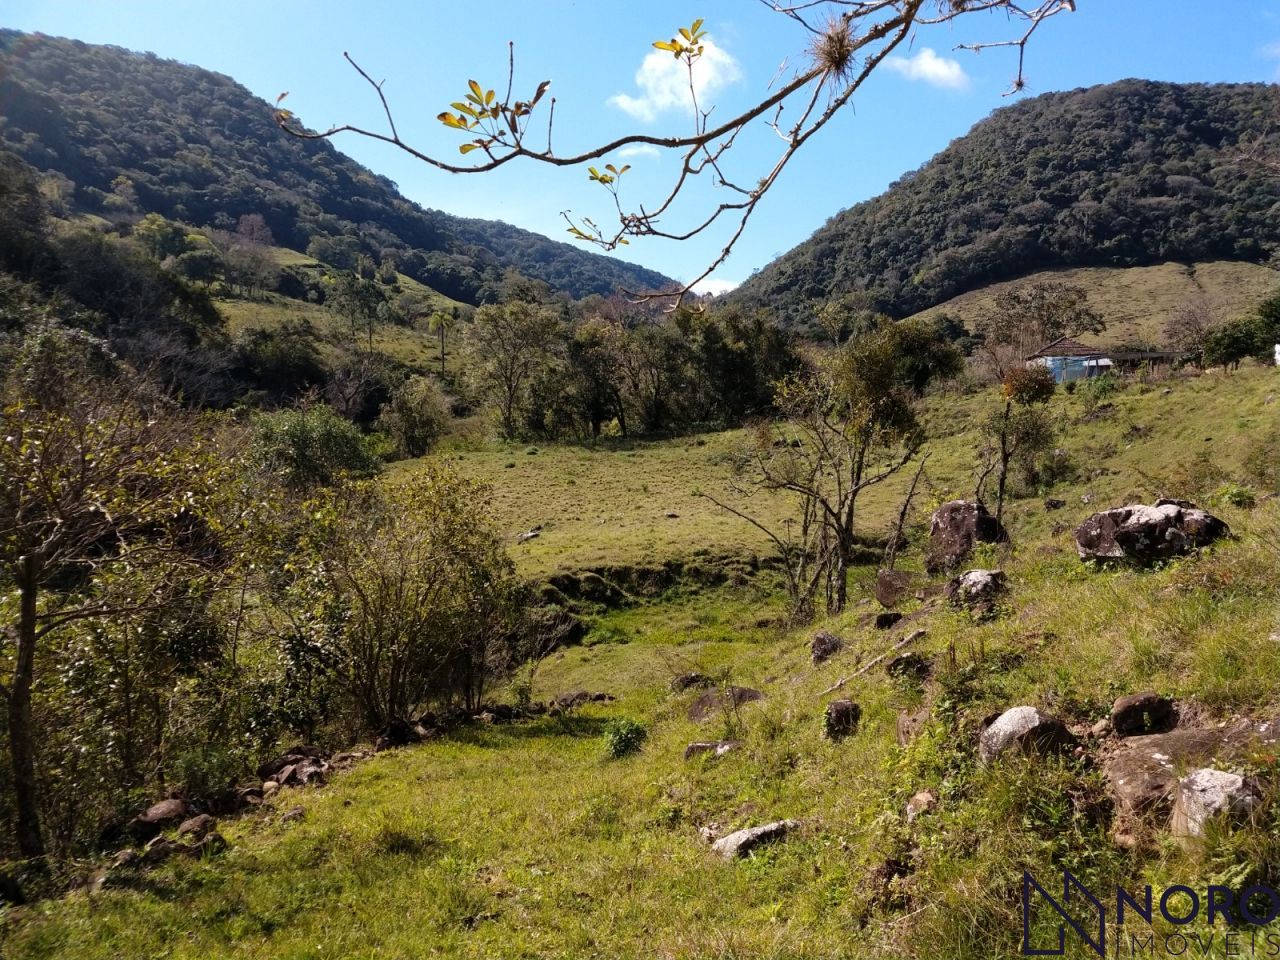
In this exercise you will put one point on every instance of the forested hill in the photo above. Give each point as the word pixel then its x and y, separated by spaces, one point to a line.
pixel 1125 174
pixel 197 146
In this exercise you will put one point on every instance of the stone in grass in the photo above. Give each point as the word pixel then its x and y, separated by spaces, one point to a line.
pixel 196 827
pixel 976 588
pixel 742 842
pixel 922 802
pixel 158 817
pixel 841 719
pixel 1023 730
pixel 715 748
pixel 887 619
pixel 1206 795
pixel 729 698
pixel 824 646
pixel 1140 713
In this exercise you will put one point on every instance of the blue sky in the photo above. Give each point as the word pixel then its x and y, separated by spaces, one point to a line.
pixel 595 55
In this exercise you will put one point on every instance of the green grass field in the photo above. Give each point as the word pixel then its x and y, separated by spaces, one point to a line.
pixel 525 841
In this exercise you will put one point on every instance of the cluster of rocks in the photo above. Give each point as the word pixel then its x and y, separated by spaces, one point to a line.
pixel 1144 534
pixel 1156 772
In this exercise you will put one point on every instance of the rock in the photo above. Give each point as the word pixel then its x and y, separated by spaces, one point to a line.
pixel 270 789
pixel 197 827
pixel 1087 499
pixel 1053 503
pixel 686 680
pixel 528 535
pixel 342 761
pixel 303 774
pixel 268 769
pixel 603 698
pixel 922 802
pixel 1023 730
pixel 824 646
pixel 125 860
pixel 976 588
pixel 717 748
pixel 210 846
pixel 158 817
pixel 1206 795
pixel 741 842
pixel 250 796
pixel 729 697
pixel 1141 713
pixel 910 665
pixel 400 733
pixel 293 815
pixel 892 586
pixel 568 701
pixel 955 529
pixel 160 849
pixel 887 619
pixel 1141 772
pixel 910 723
pixel 1101 729
pixel 841 719
pixel 1144 533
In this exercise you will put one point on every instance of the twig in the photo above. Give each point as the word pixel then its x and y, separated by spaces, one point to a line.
pixel 911 637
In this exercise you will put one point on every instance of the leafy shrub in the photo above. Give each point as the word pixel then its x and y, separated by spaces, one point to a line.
pixel 311 447
pixel 623 737
pixel 1095 390
pixel 415 417
pixel 1236 495
pixel 1262 462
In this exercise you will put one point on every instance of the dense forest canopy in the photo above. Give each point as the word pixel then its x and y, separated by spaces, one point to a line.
pixel 126 128
pixel 1125 174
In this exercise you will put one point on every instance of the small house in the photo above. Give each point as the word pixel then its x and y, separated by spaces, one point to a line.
pixel 1070 360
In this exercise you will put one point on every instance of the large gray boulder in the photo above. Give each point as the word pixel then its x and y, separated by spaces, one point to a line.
pixel 1023 730
pixel 976 588
pixel 1207 795
pixel 1143 533
pixel 157 818
pixel 955 529
pixel 742 842
pixel 1142 772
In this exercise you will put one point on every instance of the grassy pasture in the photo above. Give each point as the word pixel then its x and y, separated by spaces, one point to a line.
pixel 525 841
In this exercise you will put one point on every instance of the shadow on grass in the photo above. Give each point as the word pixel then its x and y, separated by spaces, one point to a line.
pixel 501 735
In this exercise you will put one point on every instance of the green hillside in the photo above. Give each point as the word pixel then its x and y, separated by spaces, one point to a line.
pixel 1137 303
pixel 526 840
pixel 1128 174
pixel 133 132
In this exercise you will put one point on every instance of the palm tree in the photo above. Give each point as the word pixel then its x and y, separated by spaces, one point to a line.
pixel 441 322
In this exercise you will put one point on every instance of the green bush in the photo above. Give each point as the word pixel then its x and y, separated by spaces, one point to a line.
pixel 1236 495
pixel 311 447
pixel 415 417
pixel 623 737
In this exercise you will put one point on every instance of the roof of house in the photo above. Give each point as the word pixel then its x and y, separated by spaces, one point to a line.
pixel 1066 347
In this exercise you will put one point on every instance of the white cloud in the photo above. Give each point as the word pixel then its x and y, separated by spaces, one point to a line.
pixel 664 82
pixel 639 150
pixel 932 69
pixel 1272 52
pixel 715 286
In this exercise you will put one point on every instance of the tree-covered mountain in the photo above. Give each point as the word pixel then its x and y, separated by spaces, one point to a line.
pixel 131 130
pixel 1125 174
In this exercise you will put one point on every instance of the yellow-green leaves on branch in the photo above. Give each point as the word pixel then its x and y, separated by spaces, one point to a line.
pixel 499 121
pixel 687 45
